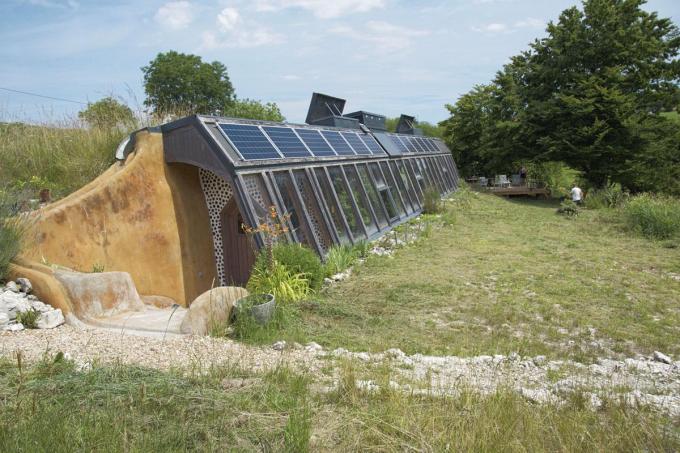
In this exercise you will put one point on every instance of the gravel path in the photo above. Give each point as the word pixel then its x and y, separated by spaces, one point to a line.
pixel 645 380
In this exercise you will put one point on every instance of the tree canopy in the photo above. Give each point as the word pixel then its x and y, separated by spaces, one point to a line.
pixel 254 110
pixel 590 94
pixel 107 113
pixel 181 83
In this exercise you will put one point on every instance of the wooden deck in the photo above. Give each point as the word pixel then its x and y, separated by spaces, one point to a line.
pixel 518 191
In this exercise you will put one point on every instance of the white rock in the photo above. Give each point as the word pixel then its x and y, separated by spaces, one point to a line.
pixel 327 281
pixel 41 307
pixel 312 347
pixel 24 285
pixel 50 319
pixel 14 327
pixel 363 356
pixel 339 352
pixel 539 360
pixel 279 345
pixel 513 357
pixel 4 318
pixel 11 286
pixel 394 352
pixel 663 358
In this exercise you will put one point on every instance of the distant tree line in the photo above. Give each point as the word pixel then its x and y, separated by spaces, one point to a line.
pixel 599 93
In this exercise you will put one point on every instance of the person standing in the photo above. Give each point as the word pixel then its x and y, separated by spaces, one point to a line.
pixel 523 175
pixel 577 195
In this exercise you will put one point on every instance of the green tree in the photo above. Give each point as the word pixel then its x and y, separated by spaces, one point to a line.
pixel 107 113
pixel 181 83
pixel 254 110
pixel 590 94
pixel 429 129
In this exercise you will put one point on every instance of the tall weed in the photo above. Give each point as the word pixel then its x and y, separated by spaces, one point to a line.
pixel 286 286
pixel 339 258
pixel 654 216
pixel 12 228
pixel 432 201
pixel 299 259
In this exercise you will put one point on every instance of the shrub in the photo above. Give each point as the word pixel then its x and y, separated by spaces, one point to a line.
pixel 29 318
pixel 285 285
pixel 339 258
pixel 609 197
pixel 432 202
pixel 362 249
pixel 299 259
pixel 568 208
pixel 654 216
pixel 12 229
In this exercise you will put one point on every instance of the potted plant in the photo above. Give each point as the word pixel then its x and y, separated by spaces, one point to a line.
pixel 260 306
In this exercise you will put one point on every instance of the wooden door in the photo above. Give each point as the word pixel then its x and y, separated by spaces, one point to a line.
pixel 237 247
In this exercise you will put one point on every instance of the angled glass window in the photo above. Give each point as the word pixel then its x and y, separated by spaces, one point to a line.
pixel 346 202
pixel 393 191
pixel 404 186
pixel 373 196
pixel 385 189
pixel 318 224
pixel 292 207
pixel 332 205
pixel 361 199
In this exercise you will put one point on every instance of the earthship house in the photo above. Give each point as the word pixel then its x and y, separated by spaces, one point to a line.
pixel 170 211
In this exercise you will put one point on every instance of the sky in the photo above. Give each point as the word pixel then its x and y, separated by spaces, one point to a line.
pixel 384 56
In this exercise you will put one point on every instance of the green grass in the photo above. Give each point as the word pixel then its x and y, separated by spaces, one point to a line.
pixel 52 407
pixel 654 216
pixel 509 276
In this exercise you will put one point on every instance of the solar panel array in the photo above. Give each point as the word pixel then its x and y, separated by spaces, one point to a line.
pixel 255 142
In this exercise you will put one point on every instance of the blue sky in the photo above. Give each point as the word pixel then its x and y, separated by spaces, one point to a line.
pixel 386 56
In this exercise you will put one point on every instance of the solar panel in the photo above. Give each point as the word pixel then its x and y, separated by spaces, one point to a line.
pixel 422 144
pixel 430 145
pixel 372 144
pixel 419 149
pixel 249 141
pixel 397 141
pixel 338 143
pixel 409 144
pixel 315 142
pixel 356 143
pixel 288 143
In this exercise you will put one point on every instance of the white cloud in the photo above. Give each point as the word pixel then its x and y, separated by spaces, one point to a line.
pixel 530 22
pixel 324 9
pixel 233 31
pixel 228 19
pixel 499 27
pixel 384 36
pixel 175 15
pixel 291 77
pixel 241 38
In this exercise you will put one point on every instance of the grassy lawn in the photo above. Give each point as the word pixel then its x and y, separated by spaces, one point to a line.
pixel 53 407
pixel 509 276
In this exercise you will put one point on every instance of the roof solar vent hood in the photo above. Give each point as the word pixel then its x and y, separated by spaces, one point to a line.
pixel 407 125
pixel 373 121
pixel 327 110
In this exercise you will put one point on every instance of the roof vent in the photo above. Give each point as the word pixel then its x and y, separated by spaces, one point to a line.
pixel 327 110
pixel 407 125
pixel 373 121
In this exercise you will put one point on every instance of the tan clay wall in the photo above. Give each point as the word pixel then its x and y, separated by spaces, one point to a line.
pixel 145 217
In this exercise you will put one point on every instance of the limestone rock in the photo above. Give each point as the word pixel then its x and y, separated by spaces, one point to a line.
pixel 4 319
pixel 663 358
pixel 50 319
pixel 313 347
pixel 213 307
pixel 100 294
pixel 279 346
pixel 11 286
pixel 15 327
pixel 24 285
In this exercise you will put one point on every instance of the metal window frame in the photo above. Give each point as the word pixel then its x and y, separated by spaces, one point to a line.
pixel 368 199
pixel 355 206
pixel 336 199
pixel 282 205
pixel 390 220
pixel 394 182
pixel 394 168
pixel 323 207
pixel 303 206
pixel 364 196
